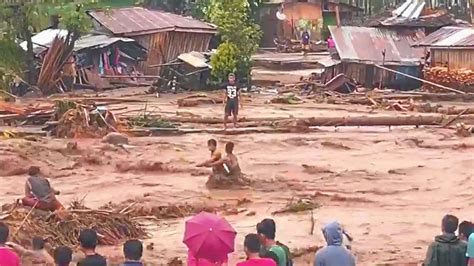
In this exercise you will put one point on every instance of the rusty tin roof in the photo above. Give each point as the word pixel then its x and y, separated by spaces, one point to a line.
pixel 133 21
pixel 450 37
pixel 366 45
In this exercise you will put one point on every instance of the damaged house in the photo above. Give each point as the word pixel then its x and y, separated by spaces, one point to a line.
pixel 94 55
pixel 164 35
pixel 361 49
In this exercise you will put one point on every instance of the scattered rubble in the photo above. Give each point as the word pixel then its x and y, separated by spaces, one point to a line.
pixel 300 205
pixel 198 99
pixel 112 227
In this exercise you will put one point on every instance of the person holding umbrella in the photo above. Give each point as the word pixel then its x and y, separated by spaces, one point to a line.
pixel 209 239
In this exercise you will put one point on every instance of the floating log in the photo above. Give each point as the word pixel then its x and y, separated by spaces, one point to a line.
pixel 397 120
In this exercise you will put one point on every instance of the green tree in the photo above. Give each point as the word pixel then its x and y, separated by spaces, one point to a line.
pixel 240 37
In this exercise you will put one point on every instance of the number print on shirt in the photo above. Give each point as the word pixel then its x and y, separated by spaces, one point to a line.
pixel 231 92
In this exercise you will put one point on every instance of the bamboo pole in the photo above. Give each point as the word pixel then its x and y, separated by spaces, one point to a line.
pixel 422 80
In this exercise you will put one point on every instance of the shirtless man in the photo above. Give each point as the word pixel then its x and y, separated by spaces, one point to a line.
pixel 232 173
pixel 215 156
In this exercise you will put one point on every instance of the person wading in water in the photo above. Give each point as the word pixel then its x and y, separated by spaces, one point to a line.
pixel 232 174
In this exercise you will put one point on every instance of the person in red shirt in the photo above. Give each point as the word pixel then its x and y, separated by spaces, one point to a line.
pixel 7 256
pixel 252 248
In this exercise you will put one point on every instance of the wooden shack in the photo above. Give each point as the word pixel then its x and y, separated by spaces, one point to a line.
pixel 164 35
pixel 362 49
pixel 451 47
pixel 280 18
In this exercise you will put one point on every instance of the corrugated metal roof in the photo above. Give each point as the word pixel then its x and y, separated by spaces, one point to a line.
pixel 410 14
pixel 134 21
pixel 411 9
pixel 195 59
pixel 366 45
pixel 43 39
pixel 97 41
pixel 450 37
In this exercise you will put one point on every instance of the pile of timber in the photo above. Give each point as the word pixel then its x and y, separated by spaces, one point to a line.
pixel 49 79
pixel 461 79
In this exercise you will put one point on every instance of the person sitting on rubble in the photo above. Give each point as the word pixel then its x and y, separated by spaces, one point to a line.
pixel 38 255
pixel 215 156
pixel 39 194
pixel 232 173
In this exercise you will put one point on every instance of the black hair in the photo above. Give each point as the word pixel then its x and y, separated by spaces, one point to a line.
pixel 229 147
pixel 212 142
pixel 37 243
pixel 133 250
pixel 252 243
pixel 267 227
pixel 4 232
pixel 88 239
pixel 450 223
pixel 62 256
pixel 34 170
pixel 466 228
pixel 231 75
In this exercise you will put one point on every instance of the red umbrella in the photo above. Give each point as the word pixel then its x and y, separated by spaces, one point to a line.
pixel 209 237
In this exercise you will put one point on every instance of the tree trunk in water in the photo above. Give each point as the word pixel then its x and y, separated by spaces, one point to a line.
pixel 393 120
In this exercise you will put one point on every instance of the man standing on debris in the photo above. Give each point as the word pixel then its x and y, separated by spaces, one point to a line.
pixel 39 193
pixel 231 100
pixel 305 41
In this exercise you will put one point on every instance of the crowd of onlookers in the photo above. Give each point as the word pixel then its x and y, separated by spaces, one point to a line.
pixel 261 248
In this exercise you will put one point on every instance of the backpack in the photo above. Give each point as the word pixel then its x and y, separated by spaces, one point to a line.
pixel 289 257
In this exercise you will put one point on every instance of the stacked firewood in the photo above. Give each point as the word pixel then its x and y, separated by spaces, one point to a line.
pixel 460 79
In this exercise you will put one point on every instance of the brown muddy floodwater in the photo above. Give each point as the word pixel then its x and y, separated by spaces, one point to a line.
pixel 389 188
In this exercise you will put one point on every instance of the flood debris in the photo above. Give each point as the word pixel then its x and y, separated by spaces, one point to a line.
pixel 289 98
pixel 170 211
pixel 464 130
pixel 86 121
pixel 112 227
pixel 299 252
pixel 198 99
pixel 300 205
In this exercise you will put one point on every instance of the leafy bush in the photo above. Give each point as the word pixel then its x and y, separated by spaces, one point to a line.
pixel 240 38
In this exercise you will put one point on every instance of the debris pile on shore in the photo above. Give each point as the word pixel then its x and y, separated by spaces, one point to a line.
pixel 112 227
